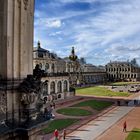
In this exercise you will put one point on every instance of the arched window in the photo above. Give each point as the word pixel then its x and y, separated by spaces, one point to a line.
pixel 59 87
pixel 52 88
pixel 44 89
pixel 65 86
pixel 53 68
pixel 68 66
pixel 46 67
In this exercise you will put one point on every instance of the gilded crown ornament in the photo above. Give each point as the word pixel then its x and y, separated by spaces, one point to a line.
pixel 73 57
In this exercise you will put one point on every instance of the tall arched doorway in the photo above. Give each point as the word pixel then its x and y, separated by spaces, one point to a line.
pixel 65 86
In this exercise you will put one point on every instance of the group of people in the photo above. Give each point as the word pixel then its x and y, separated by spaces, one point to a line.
pixel 48 112
pixel 56 134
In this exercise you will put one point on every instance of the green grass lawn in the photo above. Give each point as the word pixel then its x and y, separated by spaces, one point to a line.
pixel 134 135
pixel 98 105
pixel 58 124
pixel 74 112
pixel 123 83
pixel 99 91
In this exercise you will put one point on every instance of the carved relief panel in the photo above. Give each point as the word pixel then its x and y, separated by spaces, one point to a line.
pixel 25 4
pixel 3 99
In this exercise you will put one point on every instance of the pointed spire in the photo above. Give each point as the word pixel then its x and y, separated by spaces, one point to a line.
pixel 38 44
pixel 73 57
pixel 72 51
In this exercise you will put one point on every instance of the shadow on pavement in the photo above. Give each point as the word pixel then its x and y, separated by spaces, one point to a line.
pixel 82 130
pixel 93 124
pixel 134 131
pixel 73 138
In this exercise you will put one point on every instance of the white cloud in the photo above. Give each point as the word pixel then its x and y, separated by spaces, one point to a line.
pixel 44 22
pixel 109 32
pixel 54 23
pixel 90 1
pixel 55 33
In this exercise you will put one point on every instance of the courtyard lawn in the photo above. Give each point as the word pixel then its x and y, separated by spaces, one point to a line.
pixel 99 91
pixel 134 135
pixel 59 124
pixel 94 104
pixel 123 83
pixel 74 112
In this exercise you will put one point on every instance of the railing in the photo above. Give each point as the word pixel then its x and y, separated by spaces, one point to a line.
pixel 55 74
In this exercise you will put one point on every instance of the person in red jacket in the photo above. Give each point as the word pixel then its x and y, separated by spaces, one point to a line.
pixel 56 134
pixel 124 126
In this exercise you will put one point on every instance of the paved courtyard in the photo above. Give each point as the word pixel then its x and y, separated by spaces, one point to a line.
pixel 94 128
pixel 99 128
pixel 115 132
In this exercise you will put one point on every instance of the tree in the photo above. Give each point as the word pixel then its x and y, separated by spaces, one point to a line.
pixel 134 62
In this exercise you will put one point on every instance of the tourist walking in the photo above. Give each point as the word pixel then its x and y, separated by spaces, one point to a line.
pixel 64 134
pixel 124 127
pixel 56 134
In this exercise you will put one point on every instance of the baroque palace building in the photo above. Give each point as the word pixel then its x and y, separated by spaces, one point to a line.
pixel 62 70
pixel 93 74
pixel 28 83
pixel 56 80
pixel 122 71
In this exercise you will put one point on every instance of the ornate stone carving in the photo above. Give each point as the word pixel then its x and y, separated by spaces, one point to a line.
pixel 28 98
pixel 25 4
pixel 2 102
pixel 19 3
pixel 73 57
pixel 30 85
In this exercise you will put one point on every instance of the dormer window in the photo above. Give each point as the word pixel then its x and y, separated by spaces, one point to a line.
pixel 40 55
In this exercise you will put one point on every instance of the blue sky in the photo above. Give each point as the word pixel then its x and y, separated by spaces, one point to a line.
pixel 100 30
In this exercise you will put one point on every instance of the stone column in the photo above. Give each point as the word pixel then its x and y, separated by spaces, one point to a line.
pixel 16 38
pixel 68 86
pixel 49 87
pixel 56 86
pixel 16 46
pixel 50 68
